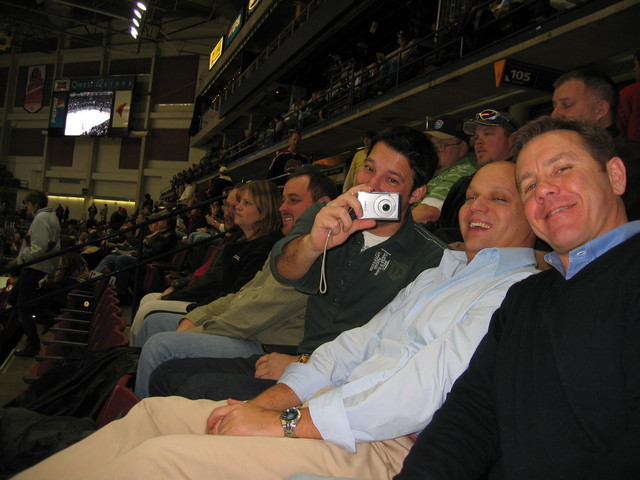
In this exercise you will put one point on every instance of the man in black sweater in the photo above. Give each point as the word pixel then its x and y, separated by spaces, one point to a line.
pixel 553 390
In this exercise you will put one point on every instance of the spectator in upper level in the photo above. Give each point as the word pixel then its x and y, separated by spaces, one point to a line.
pixel 219 182
pixel 591 96
pixel 147 203
pixel 358 160
pixel 104 211
pixel 452 145
pixel 629 110
pixel 188 193
pixel 286 160
pixel 117 219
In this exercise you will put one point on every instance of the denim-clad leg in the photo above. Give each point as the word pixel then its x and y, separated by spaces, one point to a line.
pixel 174 345
pixel 157 323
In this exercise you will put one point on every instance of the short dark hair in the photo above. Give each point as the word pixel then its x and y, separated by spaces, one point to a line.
pixel 37 197
pixel 319 184
pixel 416 148
pixel 596 82
pixel 596 140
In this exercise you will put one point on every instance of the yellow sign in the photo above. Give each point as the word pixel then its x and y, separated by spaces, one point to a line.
pixel 216 53
pixel 252 4
pixel 5 41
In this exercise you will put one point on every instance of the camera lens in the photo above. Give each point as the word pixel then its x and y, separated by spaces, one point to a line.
pixel 384 206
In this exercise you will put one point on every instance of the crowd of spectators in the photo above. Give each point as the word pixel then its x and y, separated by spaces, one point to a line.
pixel 350 81
pixel 401 358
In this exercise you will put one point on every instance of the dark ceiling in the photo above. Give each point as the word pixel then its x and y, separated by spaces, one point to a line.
pixel 36 25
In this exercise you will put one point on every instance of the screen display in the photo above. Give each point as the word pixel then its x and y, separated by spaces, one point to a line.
pixel 89 113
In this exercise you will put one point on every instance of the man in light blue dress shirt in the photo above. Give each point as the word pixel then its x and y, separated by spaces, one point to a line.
pixel 366 392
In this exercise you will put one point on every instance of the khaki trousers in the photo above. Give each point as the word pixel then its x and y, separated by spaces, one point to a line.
pixel 164 438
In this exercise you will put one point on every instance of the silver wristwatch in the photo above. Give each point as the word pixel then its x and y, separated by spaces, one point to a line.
pixel 289 419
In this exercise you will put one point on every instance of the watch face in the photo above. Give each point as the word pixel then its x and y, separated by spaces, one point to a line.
pixel 290 414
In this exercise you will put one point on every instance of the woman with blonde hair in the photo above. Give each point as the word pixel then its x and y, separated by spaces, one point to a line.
pixel 257 215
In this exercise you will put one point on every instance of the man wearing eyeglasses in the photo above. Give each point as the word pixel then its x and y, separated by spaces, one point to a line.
pixel 452 145
pixel 491 130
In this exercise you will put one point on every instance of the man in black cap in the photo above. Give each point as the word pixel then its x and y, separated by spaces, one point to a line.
pixel 452 145
pixel 491 130
pixel 358 160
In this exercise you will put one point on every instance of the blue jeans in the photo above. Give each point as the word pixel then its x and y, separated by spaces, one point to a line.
pixel 169 344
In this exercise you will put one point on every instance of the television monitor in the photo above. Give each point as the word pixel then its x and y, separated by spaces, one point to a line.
pixel 89 113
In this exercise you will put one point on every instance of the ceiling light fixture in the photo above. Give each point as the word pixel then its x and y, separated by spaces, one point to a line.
pixel 137 20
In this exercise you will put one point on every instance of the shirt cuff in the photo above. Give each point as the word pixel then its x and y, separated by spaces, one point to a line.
pixel 330 418
pixel 433 202
pixel 304 380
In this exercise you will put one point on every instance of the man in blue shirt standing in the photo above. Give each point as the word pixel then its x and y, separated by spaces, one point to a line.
pixel 363 393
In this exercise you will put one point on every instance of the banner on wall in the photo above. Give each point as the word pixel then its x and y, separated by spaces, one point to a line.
pixel 35 88
pixel 121 109
pixel 235 27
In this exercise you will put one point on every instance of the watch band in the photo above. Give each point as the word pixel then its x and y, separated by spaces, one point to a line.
pixel 304 358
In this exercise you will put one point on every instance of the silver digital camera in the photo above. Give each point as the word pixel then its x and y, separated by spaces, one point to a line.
pixel 380 205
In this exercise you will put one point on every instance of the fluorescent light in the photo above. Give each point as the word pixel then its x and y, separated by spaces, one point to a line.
pixel 141 6
pixel 137 13
pixel 135 22
pixel 134 32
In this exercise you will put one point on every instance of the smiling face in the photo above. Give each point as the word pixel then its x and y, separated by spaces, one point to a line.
pixel 246 213
pixel 492 215
pixel 386 170
pixel 296 198
pixel 569 198
pixel 492 144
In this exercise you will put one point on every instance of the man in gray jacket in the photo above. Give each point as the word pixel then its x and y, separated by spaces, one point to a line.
pixel 43 238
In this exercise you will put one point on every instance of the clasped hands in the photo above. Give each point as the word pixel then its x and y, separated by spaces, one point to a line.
pixel 244 419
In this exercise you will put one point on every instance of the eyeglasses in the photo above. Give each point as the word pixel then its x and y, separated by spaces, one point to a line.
pixel 490 115
pixel 441 147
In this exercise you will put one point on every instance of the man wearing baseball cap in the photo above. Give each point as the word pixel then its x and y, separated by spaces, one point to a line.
pixel 491 130
pixel 452 145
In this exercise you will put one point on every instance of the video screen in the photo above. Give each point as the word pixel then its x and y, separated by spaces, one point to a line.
pixel 89 113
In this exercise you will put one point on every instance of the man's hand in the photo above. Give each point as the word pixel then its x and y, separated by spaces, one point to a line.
pixel 336 217
pixel 299 254
pixel 166 292
pixel 244 419
pixel 273 365
pixel 185 324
